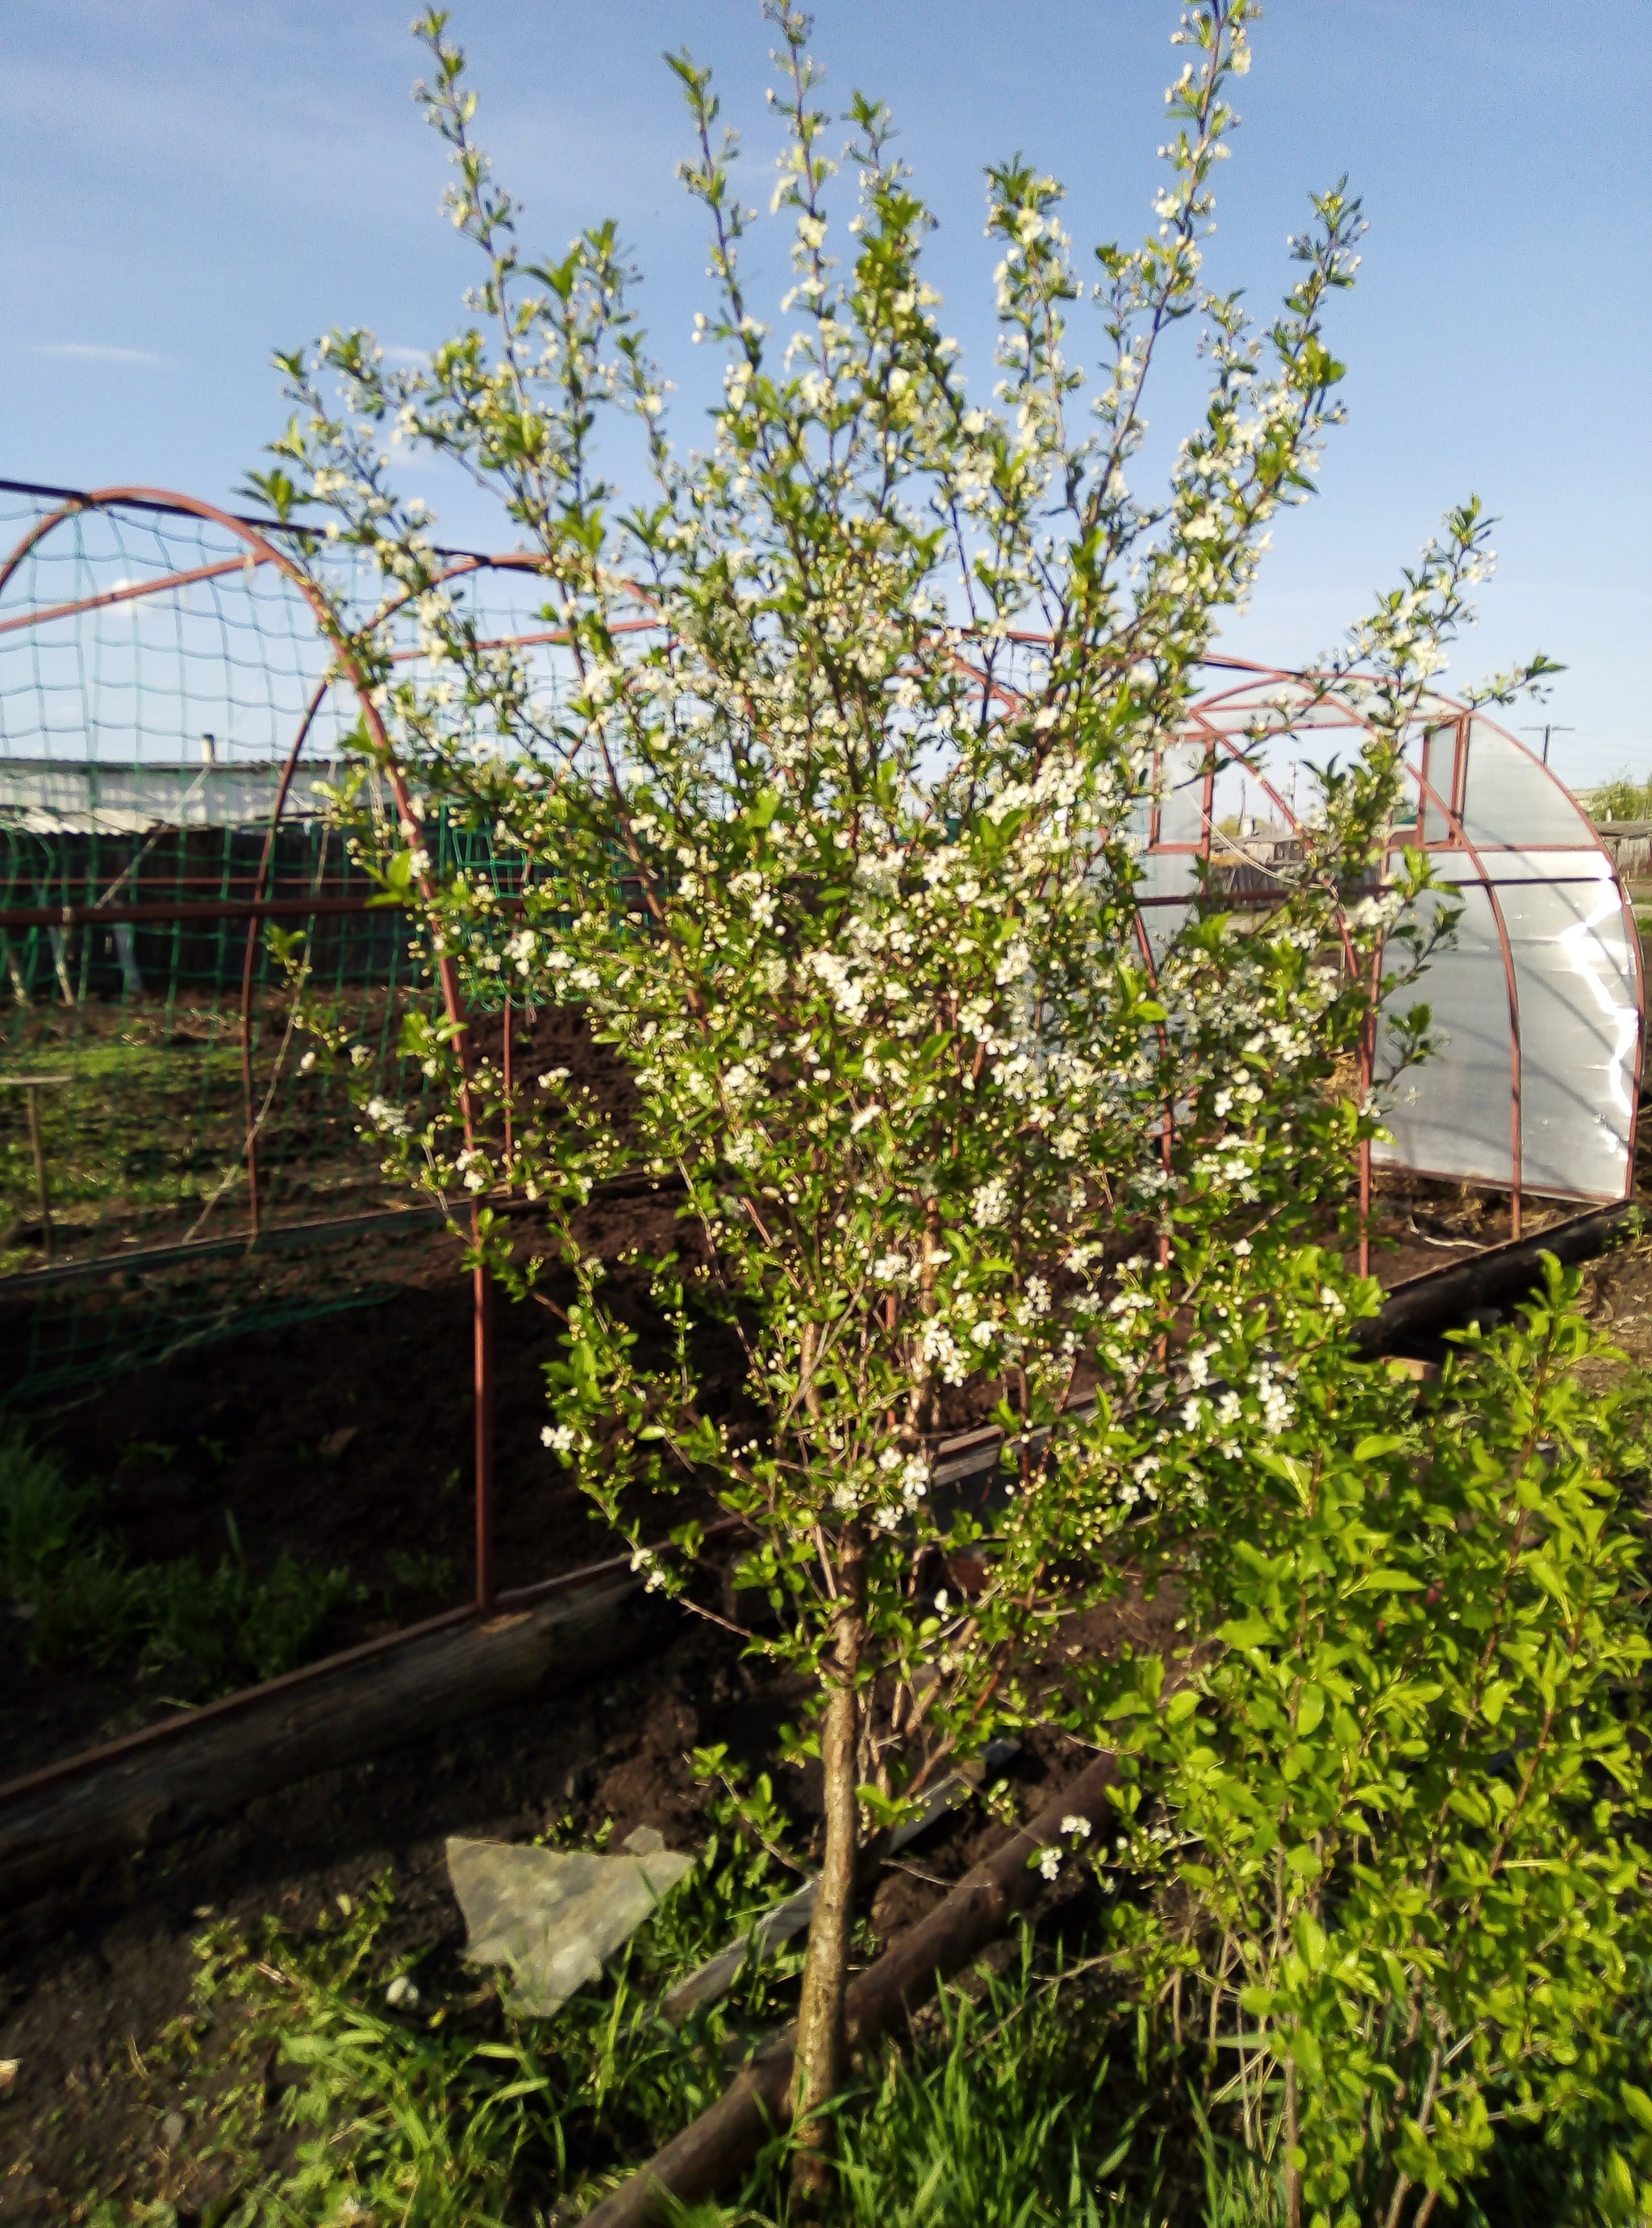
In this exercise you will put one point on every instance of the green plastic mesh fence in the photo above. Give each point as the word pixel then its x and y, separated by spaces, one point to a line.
pixel 172 1167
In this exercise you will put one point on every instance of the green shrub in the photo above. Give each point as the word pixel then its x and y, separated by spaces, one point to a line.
pixel 1620 798
pixel 1391 1804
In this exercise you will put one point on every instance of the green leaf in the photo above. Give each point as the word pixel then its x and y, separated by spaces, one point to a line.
pixel 1245 1632
pixel 1637 2104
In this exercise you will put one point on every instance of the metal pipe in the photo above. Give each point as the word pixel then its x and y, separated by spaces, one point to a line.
pixel 130 593
pixel 64 917
pixel 482 1318
pixel 283 786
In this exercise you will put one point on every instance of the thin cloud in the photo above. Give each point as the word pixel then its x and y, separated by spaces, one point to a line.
pixel 99 352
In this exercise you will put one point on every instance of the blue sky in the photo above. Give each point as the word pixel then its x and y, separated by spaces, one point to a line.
pixel 188 183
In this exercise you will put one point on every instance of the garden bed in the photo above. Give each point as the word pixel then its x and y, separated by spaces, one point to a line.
pixel 339 1445
pixel 298 1490
pixel 132 2091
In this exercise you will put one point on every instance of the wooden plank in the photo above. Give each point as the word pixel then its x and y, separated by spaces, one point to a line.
pixel 48 1838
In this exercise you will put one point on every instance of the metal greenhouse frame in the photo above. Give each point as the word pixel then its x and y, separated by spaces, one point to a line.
pixel 139 845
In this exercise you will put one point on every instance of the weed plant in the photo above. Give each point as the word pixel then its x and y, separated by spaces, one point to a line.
pixel 337 2079
pixel 42 1516
pixel 194 1631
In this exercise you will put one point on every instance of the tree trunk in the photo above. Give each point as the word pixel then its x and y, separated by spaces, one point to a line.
pixel 722 2143
pixel 822 2052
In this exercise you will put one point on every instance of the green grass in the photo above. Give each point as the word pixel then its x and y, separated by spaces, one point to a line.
pixel 1020 2109
pixel 326 2090
pixel 142 1124
pixel 152 1121
pixel 323 2094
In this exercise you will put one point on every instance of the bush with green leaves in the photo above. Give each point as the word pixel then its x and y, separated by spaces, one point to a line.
pixel 1620 798
pixel 1391 1799
pixel 833 830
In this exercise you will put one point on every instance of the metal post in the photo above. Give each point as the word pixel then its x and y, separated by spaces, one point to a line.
pixel 131 980
pixel 1368 1072
pixel 1549 727
pixel 58 938
pixel 505 1075
pixel 482 1312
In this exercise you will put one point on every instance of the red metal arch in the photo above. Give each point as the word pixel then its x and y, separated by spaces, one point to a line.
pixel 262 551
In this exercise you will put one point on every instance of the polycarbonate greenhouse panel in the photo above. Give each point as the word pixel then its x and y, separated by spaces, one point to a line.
pixel 1451 1114
pixel 1166 875
pixel 1510 798
pixel 1181 799
pixel 1439 779
pixel 1576 1004
pixel 1579 1028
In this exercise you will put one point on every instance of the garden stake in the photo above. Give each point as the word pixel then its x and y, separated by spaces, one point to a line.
pixel 31 1087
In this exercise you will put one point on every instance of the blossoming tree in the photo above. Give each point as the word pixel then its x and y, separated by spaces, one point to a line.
pixel 840 853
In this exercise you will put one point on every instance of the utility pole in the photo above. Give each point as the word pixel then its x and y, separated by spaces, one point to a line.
pixel 1548 728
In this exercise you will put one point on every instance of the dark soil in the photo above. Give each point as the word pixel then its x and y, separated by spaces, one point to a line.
pixel 348 1440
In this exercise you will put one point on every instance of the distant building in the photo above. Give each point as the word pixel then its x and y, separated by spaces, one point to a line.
pixel 1628 843
pixel 91 797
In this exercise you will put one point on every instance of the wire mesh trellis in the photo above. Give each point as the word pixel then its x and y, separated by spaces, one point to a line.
pixel 171 1166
